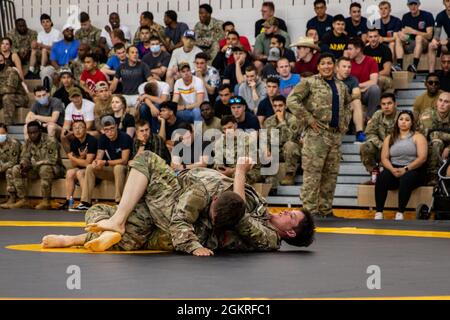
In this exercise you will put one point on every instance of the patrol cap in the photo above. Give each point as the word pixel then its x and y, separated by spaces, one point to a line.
pixel 75 91
pixel 189 34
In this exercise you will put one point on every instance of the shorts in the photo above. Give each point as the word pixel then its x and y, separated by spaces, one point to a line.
pixel 411 45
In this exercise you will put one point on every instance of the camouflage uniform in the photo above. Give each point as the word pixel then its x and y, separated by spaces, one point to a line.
pixel 101 109
pixel 9 157
pixel 289 135
pixel 22 44
pixel 311 101
pixel 208 37
pixel 378 128
pixel 77 68
pixel 438 140
pixel 155 30
pixel 12 94
pixel 45 164
pixel 91 37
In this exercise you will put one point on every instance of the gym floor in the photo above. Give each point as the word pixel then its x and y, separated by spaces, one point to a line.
pixel 410 259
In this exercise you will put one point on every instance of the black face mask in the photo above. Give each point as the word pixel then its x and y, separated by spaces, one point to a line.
pixel 2 66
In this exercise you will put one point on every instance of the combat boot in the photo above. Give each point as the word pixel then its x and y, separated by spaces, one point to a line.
pixel 21 203
pixel 7 205
pixel 289 180
pixel 44 205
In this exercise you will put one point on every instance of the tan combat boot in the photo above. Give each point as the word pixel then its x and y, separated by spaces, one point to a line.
pixel 7 205
pixel 44 205
pixel 21 203
pixel 289 180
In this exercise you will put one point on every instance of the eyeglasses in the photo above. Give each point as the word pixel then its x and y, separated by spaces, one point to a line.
pixel 433 83
pixel 235 100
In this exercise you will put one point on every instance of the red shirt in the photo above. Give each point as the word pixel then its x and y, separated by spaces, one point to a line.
pixel 363 70
pixel 311 66
pixel 92 79
pixel 244 42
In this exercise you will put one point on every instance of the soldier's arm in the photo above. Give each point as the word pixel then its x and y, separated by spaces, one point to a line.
pixel 11 84
pixel 372 131
pixel 257 235
pixel 15 153
pixel 295 102
pixel 52 155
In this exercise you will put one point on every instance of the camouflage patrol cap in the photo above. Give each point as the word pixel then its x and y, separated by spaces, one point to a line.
pixel 270 22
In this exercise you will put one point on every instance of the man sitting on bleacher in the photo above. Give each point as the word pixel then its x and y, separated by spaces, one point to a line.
pixel 444 74
pixel 429 98
pixel 438 44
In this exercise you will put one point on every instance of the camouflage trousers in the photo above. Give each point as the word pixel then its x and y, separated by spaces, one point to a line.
pixel 291 155
pixel 385 84
pixel 9 102
pixel 9 181
pixel 435 150
pixel 321 156
pixel 45 172
pixel 370 155
pixel 140 230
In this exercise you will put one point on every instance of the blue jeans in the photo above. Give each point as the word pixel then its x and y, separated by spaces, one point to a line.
pixel 190 115
pixel 146 114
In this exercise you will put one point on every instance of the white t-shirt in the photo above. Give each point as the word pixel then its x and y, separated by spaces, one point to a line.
pixel 179 55
pixel 188 93
pixel 126 32
pixel 163 88
pixel 49 38
pixel 86 113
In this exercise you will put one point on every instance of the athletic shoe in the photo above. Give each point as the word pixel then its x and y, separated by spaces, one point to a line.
pixel 83 206
pixel 64 206
pixel 412 68
pixel 399 216
pixel 396 68
pixel 379 216
pixel 360 137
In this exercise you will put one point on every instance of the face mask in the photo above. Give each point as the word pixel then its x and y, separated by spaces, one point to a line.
pixel 43 101
pixel 155 49
pixel 3 138
pixel 2 66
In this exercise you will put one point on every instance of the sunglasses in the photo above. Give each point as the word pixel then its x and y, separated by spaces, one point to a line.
pixel 433 83
pixel 235 100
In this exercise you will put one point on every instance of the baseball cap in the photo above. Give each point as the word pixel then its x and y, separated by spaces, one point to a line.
pixel 189 34
pixel 68 26
pixel 64 71
pixel 270 22
pixel 413 1
pixel 108 121
pixel 238 100
pixel 75 91
pixel 274 54
pixel 101 85
pixel 183 65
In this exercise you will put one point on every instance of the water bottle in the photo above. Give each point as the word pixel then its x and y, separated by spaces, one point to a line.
pixel 375 173
pixel 71 202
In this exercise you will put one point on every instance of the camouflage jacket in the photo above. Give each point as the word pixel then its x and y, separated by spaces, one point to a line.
pixel 11 83
pixel 155 30
pixel 228 149
pixel 431 120
pixel 9 153
pixel 208 36
pixel 22 43
pixel 46 152
pixel 91 37
pixel 311 100
pixel 379 127
pixel 156 145
pixel 289 129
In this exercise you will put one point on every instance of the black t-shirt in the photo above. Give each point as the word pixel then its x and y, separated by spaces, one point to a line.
pixel 63 95
pixel 420 23
pixel 265 108
pixel 260 22
pixel 190 157
pixel 113 149
pixel 381 54
pixel 387 30
pixel 269 71
pixel 356 31
pixel 90 143
pixel 289 54
pixel 127 122
pixel 444 80
pixel 230 73
pixel 322 27
pixel 351 83
pixel 221 110
pixel 156 62
pixel 443 21
pixel 132 77
pixel 333 44
pixel 250 122
pixel 171 128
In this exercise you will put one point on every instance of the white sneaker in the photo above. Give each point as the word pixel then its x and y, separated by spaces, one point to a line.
pixel 379 216
pixel 399 216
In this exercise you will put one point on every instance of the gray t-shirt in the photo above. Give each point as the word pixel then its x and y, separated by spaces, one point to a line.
pixel 54 104
pixel 132 77
pixel 176 34
pixel 156 62
pixel 351 82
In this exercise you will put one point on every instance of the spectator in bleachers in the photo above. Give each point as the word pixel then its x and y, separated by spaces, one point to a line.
pixel 434 124
pixel 365 69
pixel 91 75
pixel 40 159
pixel 308 54
pixel 151 95
pixel 278 41
pixel 146 20
pixel 265 107
pixel 234 73
pixel 143 45
pixel 48 111
pixel 186 53
pixel 356 24
pixel 146 140
pixel 270 69
pixel 184 154
pixel 113 154
pixel 10 150
pixel 253 90
pixel 157 59
pixel 78 110
pixel 228 27
pixel 222 105
pixel 246 120
pixel 77 64
pixel 83 149
pixel 225 56
pixel 12 59
pixel 114 24
pixel 168 121
pixel 289 137
pixel 444 74
pixel 131 74
pixel 388 25
pixel 12 92
pixel 343 73
pixel 322 22
pixel 173 31
pixel 403 156
pixel 429 98
pixel 262 42
pixel 124 120
pixel 114 62
pixel 24 40
pixel 209 31
pixel 88 33
pixel 189 92
pixel 382 56
pixel 378 128
pixel 415 36
pixel 67 82
pixel 442 21
pixel 335 41
pixel 288 80
pixel 102 105
pixel 210 121
pixel 313 34
pixel 207 74
pixel 268 12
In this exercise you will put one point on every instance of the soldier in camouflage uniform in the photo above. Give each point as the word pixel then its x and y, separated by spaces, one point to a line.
pixel 9 157
pixel 324 105
pixel 24 40
pixel 208 31
pixel 88 33
pixel 434 124
pixel 156 30
pixel 40 158
pixel 12 93
pixel 289 137
pixel 378 128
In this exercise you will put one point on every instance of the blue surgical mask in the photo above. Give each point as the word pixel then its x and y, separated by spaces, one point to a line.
pixel 155 49
pixel 43 101
pixel 3 138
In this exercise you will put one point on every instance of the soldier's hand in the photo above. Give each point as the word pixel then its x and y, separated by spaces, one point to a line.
pixel 244 164
pixel 445 154
pixel 202 252
pixel 315 127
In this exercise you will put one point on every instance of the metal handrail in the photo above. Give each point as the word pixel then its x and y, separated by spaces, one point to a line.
pixel 7 16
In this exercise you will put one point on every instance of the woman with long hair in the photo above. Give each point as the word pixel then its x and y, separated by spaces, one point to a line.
pixel 124 120
pixel 403 156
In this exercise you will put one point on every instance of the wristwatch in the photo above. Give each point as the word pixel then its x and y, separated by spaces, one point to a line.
pixel 406 168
